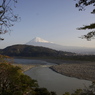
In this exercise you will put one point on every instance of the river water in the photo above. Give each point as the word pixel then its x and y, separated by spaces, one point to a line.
pixel 51 80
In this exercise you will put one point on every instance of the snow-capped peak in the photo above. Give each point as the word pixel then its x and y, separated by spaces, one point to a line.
pixel 38 39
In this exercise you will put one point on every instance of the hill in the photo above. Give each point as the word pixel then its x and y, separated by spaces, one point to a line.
pixel 33 51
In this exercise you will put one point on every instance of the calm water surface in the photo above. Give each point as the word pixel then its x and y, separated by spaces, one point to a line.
pixel 54 81
pixel 31 61
pixel 51 80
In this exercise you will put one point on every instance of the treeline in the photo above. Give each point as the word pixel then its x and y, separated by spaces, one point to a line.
pixel 79 58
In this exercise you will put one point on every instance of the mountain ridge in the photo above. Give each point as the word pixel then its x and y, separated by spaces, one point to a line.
pixel 32 51
pixel 75 49
pixel 28 51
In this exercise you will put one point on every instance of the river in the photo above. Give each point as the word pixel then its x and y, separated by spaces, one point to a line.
pixel 51 80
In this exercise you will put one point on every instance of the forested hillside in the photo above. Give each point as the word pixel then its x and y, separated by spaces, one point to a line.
pixel 33 51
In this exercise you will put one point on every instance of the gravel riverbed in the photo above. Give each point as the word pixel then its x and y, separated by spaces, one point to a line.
pixel 82 71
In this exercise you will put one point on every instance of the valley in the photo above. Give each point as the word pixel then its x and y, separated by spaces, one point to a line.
pixel 50 79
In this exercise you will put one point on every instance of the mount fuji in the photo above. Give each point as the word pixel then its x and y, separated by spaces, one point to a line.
pixel 37 41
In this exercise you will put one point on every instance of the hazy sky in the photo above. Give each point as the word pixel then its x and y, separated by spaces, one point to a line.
pixel 52 20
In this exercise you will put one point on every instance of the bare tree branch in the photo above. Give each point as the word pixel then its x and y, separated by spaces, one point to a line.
pixel 7 17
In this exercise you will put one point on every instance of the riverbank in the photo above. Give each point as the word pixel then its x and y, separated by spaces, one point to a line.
pixel 82 71
pixel 24 67
pixel 78 69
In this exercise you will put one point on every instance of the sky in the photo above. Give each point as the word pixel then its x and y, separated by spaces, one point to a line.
pixel 53 20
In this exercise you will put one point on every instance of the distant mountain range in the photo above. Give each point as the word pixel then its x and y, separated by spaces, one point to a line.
pixel 37 41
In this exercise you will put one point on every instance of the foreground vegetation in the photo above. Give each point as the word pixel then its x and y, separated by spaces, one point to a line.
pixel 14 82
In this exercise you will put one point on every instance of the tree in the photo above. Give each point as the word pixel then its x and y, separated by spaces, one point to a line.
pixel 81 4
pixel 14 82
pixel 41 91
pixel 87 91
pixel 7 16
pixel 2 58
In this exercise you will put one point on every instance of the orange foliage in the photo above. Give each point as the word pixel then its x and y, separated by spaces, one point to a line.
pixel 3 59
pixel 4 56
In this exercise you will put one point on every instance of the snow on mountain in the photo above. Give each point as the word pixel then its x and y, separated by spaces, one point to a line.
pixel 37 41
